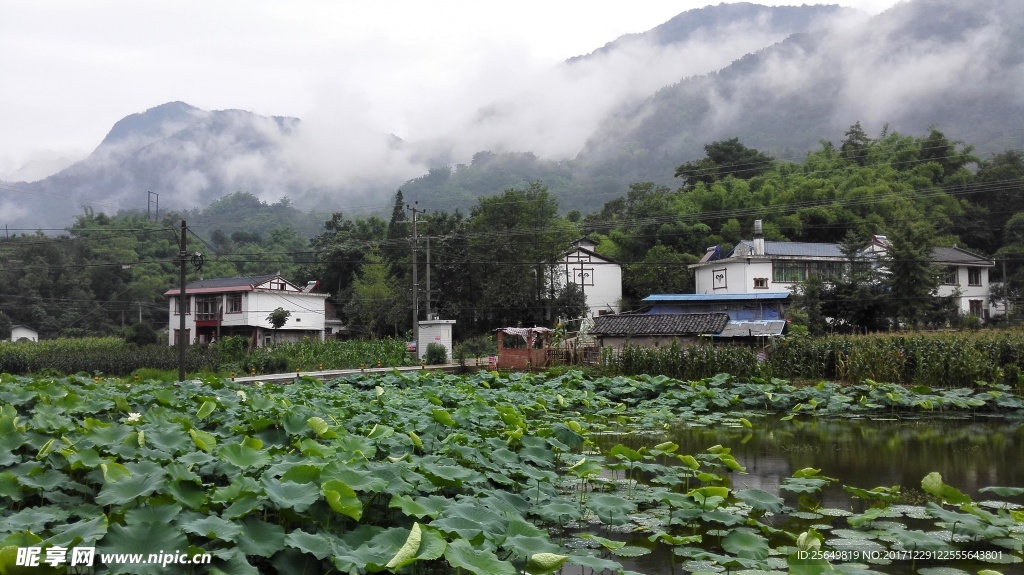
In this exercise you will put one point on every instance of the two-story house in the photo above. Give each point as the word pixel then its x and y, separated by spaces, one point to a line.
pixel 598 276
pixel 759 266
pixel 220 307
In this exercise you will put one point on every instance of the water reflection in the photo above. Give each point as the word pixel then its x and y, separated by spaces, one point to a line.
pixel 969 453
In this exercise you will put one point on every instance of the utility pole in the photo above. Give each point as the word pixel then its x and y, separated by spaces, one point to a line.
pixel 153 201
pixel 428 278
pixel 1006 295
pixel 182 302
pixel 415 278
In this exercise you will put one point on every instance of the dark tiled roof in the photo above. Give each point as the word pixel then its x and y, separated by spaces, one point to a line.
pixel 959 256
pixel 660 324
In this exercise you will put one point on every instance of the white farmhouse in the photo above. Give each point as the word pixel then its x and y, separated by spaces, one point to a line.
pixel 599 277
pixel 760 266
pixel 220 307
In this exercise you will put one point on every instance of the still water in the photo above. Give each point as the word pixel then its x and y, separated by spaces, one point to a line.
pixel 969 452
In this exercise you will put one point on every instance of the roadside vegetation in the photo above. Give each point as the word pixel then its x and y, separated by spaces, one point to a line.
pixel 114 356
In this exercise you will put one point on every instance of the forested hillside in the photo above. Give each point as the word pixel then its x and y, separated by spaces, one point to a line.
pixel 778 78
pixel 487 264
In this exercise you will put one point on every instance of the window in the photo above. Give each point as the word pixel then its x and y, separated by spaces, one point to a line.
pixel 207 307
pixel 789 272
pixel 793 272
pixel 976 307
pixel 234 303
pixel 188 336
pixel 760 283
pixel 974 276
pixel 952 276
pixel 177 307
pixel 827 270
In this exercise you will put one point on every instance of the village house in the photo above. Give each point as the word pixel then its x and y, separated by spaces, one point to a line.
pixel 660 330
pixel 766 267
pixel 219 307
pixel 599 277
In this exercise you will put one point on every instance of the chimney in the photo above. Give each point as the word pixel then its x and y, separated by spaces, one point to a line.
pixel 758 239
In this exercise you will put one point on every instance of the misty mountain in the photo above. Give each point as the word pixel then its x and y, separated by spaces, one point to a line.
pixel 781 79
pixel 956 65
pixel 721 21
pixel 190 157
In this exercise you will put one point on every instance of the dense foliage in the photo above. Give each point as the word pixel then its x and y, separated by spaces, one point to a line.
pixel 484 475
pixel 487 264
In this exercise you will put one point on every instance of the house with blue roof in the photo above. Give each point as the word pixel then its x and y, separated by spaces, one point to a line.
pixel 759 270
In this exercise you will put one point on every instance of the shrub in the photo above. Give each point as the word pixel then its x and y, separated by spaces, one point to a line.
pixel 437 354
pixel 141 334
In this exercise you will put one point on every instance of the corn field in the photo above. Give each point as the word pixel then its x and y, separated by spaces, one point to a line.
pixel 100 355
pixel 112 356
pixel 686 363
pixel 934 360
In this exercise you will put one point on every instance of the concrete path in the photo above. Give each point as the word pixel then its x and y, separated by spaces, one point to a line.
pixel 334 373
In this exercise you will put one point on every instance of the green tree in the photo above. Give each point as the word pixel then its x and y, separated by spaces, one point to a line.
pixel 854 148
pixel 374 306
pixel 278 318
pixel 661 271
pixel 514 237
pixel 338 251
pixel 399 231
pixel 570 302
pixel 5 327
pixel 722 159
pixel 855 300
pixel 913 278
pixel 141 334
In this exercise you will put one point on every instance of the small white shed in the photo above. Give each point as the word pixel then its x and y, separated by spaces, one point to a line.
pixel 435 331
pixel 20 332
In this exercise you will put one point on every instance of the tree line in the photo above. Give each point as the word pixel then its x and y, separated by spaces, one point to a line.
pixel 488 264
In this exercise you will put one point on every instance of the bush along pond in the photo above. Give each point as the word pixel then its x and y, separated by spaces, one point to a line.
pixel 492 473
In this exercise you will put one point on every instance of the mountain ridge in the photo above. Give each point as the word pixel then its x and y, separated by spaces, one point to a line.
pixel 920 64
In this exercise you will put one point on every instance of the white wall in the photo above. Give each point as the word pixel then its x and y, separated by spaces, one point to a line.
pixel 968 292
pixel 600 279
pixel 307 318
pixel 20 331
pixel 739 277
pixel 435 331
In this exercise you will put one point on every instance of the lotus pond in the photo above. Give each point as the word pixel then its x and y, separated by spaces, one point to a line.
pixel 515 473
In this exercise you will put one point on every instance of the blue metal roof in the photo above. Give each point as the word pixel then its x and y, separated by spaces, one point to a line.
pixel 713 297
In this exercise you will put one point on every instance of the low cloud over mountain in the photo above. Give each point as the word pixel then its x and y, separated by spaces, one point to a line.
pixel 780 79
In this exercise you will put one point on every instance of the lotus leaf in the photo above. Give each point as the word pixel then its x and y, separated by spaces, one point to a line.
pixel 762 500
pixel 290 495
pixel 746 544
pixel 462 555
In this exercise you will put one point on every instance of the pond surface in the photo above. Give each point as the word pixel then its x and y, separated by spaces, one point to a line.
pixel 969 452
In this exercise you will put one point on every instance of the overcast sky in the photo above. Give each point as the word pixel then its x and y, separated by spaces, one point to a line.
pixel 70 69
